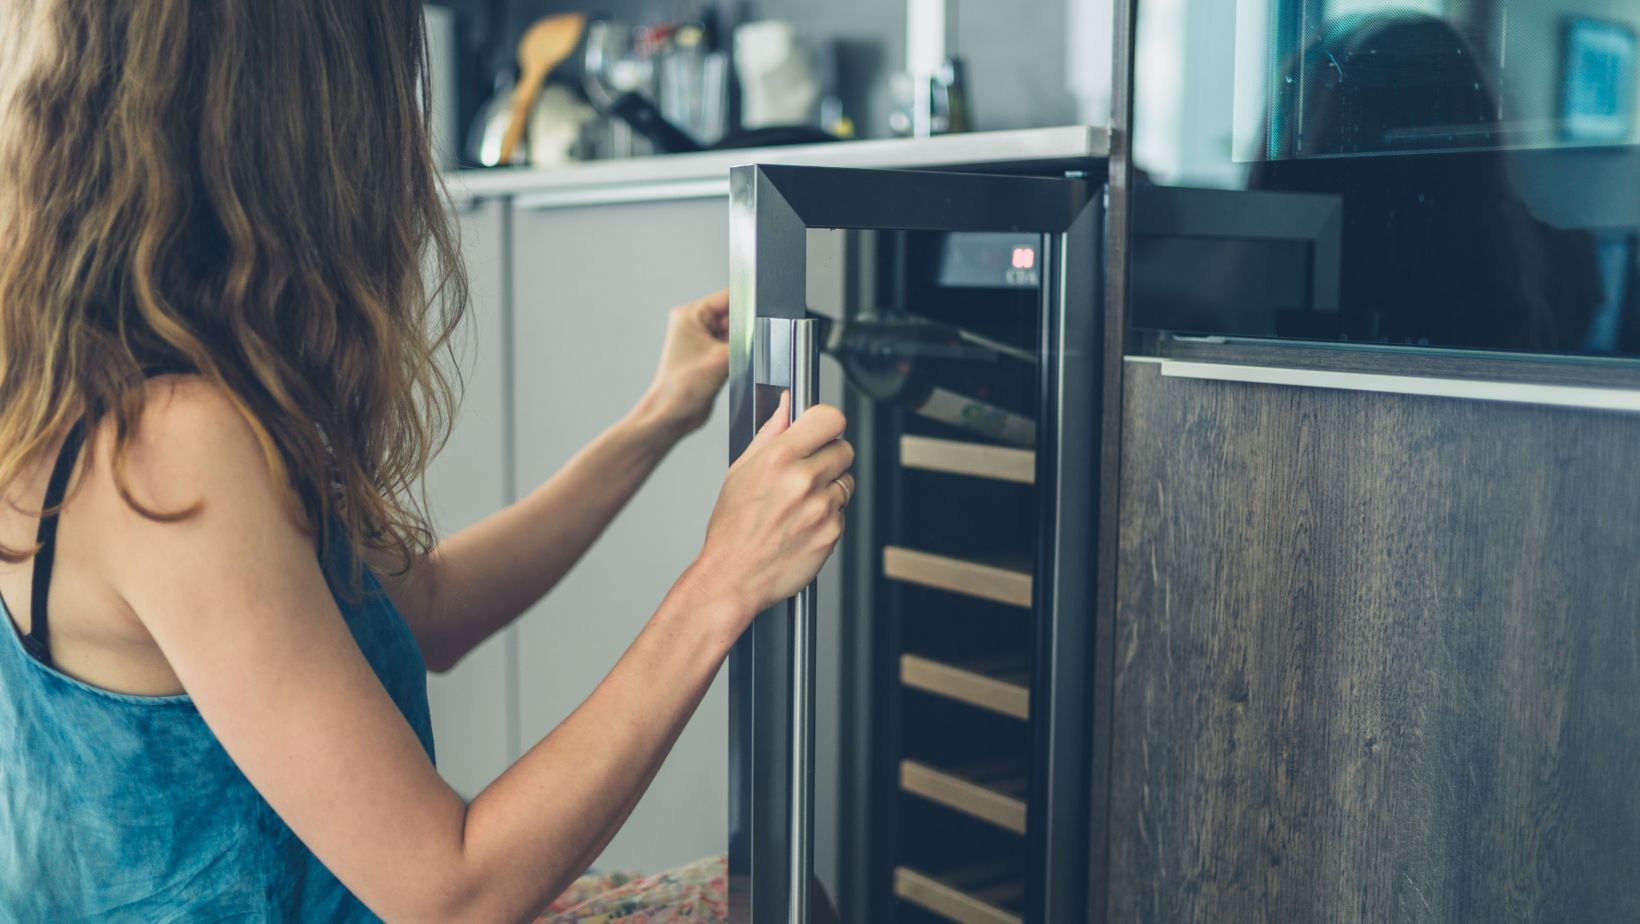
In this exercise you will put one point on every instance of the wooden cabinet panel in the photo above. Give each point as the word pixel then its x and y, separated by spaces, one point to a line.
pixel 1376 658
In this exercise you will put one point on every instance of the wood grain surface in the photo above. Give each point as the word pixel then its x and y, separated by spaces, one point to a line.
pixel 1002 687
pixel 1010 585
pixel 948 901
pixel 1376 658
pixel 1003 463
pixel 999 801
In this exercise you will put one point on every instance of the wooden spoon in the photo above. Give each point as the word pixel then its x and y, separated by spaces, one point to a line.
pixel 544 47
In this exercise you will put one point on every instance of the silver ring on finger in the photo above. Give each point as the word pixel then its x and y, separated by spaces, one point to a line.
pixel 847 494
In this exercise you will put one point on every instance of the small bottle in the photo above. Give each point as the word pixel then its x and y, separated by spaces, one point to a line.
pixel 931 369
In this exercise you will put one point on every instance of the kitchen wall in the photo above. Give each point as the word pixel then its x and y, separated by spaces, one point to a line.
pixel 1032 64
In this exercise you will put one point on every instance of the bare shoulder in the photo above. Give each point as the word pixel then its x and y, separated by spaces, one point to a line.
pixel 192 444
pixel 204 519
pixel 119 573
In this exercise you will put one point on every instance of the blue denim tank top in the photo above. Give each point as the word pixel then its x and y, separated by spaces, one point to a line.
pixel 126 808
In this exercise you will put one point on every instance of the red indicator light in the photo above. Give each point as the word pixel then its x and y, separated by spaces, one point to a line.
pixel 1024 258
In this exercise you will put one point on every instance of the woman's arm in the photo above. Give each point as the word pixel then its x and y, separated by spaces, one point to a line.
pixel 482 578
pixel 236 600
pixel 478 581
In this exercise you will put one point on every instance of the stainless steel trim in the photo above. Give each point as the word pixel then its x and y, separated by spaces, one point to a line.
pixel 767 271
pixel 772 357
pixel 615 195
pixel 1069 452
pixel 921 200
pixel 805 386
pixel 786 354
pixel 1596 399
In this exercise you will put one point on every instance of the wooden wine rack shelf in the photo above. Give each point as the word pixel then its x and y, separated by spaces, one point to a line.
pixel 989 803
pixel 988 582
pixel 1004 692
pixel 948 901
pixel 974 459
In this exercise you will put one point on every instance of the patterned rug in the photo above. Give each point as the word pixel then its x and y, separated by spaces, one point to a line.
pixel 696 894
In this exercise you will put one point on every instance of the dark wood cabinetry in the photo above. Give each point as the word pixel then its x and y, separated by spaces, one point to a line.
pixel 1376 657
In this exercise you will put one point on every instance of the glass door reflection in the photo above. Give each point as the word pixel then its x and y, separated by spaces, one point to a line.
pixel 1482 154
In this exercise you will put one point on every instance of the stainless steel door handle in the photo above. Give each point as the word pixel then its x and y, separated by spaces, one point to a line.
pixel 786 354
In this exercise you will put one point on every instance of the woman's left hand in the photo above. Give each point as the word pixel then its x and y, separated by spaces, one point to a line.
pixel 694 365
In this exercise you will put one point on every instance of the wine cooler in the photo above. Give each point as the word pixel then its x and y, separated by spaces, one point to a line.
pixel 911 742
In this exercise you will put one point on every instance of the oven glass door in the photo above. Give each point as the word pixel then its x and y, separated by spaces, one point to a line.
pixel 1406 173
pixel 907 740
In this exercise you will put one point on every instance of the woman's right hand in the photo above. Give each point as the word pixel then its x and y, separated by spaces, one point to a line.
pixel 780 512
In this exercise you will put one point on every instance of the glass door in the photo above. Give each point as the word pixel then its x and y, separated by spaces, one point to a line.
pixel 1455 174
pixel 911 744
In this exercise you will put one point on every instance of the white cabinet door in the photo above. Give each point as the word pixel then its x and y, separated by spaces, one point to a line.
pixel 591 289
pixel 472 705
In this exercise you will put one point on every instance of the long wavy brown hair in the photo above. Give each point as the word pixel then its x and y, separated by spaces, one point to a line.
pixel 244 190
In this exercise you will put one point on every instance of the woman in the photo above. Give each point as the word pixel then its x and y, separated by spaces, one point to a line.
pixel 218 389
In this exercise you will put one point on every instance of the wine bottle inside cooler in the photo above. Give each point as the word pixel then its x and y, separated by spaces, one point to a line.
pixel 933 370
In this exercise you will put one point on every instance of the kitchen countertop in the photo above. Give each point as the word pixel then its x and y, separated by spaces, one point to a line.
pixel 707 173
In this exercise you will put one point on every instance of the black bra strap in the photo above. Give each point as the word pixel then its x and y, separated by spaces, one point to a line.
pixel 38 640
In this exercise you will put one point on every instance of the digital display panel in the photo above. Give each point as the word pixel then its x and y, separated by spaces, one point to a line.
pixel 990 261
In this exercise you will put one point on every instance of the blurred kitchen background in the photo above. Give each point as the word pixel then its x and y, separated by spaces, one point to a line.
pixel 572 271
pixel 714 69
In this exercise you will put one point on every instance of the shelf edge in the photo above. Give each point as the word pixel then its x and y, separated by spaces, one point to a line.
pixel 949 902
pixel 987 582
pixel 966 686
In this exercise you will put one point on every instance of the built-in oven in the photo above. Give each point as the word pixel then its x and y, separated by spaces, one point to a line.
pixel 910 742
pixel 1394 173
